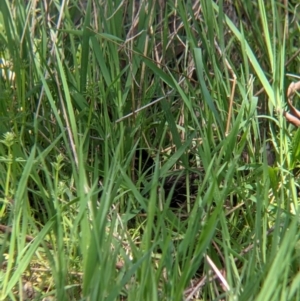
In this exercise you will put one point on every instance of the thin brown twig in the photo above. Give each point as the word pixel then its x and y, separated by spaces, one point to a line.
pixel 234 78
pixel 201 282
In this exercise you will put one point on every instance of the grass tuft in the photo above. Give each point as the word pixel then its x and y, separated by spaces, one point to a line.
pixel 143 152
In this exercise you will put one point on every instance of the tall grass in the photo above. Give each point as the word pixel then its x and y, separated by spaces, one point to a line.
pixel 89 88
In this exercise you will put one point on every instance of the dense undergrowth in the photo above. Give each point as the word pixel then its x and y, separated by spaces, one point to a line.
pixel 143 152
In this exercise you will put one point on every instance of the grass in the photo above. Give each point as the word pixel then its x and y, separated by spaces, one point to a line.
pixel 135 151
